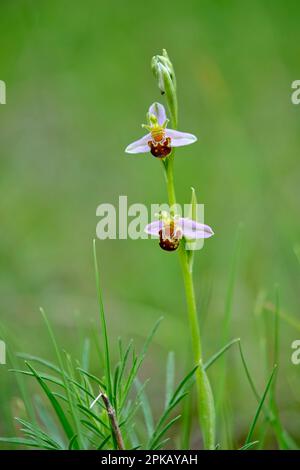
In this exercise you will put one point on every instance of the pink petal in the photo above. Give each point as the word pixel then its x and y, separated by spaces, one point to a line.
pixel 139 146
pixel 178 139
pixel 192 229
pixel 154 227
pixel 159 111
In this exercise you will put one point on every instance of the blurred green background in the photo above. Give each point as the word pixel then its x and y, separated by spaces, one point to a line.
pixel 78 86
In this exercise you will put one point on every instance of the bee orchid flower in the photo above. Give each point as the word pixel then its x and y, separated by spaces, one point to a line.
pixel 171 229
pixel 160 140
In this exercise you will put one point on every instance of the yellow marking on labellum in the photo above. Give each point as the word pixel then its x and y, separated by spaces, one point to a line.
pixel 158 133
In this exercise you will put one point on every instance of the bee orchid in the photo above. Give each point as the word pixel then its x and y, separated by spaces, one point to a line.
pixel 160 140
pixel 171 229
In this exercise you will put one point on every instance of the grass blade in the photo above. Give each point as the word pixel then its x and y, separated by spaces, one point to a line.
pixel 227 316
pixel 170 376
pixel 183 383
pixel 146 408
pixel 260 405
pixel 137 362
pixel 64 377
pixel 219 353
pixel 103 324
pixel 186 423
pixel 249 446
pixel 93 377
pixel 19 441
pixel 105 441
pixel 163 431
pixel 88 412
pixel 253 388
pixel 72 442
pixel 47 377
pixel 56 406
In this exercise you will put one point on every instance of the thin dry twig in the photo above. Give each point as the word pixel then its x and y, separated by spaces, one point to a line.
pixel 112 418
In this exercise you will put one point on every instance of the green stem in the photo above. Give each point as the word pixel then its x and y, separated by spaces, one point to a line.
pixel 206 411
pixel 170 179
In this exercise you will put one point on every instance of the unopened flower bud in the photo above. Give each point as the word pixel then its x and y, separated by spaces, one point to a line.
pixel 163 71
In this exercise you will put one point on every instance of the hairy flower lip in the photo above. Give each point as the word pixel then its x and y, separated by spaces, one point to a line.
pixel 160 149
pixel 177 138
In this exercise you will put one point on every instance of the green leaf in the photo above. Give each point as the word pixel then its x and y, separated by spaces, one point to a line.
pixel 137 363
pixel 103 325
pixel 284 439
pixel 56 406
pixel 46 419
pixel 161 444
pixel 64 377
pixel 39 435
pixel 250 380
pixel 133 407
pixel 170 377
pixel 228 314
pixel 39 360
pixel 88 412
pixel 249 445
pixel 92 377
pixel 186 427
pixel 174 401
pixel 115 386
pixel 62 397
pixel 260 405
pixel 81 387
pixel 19 441
pixel 92 427
pixel 105 441
pixel 47 377
pixel 72 442
pixel 146 408
pixel 158 436
pixel 183 383
pixel 148 341
pixel 25 394
pixel 220 353
pixel 124 360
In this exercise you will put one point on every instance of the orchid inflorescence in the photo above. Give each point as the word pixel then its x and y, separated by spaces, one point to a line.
pixel 173 230
pixel 160 141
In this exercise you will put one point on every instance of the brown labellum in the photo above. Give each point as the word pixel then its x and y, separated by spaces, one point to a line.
pixel 160 149
pixel 170 243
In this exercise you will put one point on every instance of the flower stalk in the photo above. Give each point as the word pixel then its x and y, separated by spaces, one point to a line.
pixel 174 231
pixel 205 401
